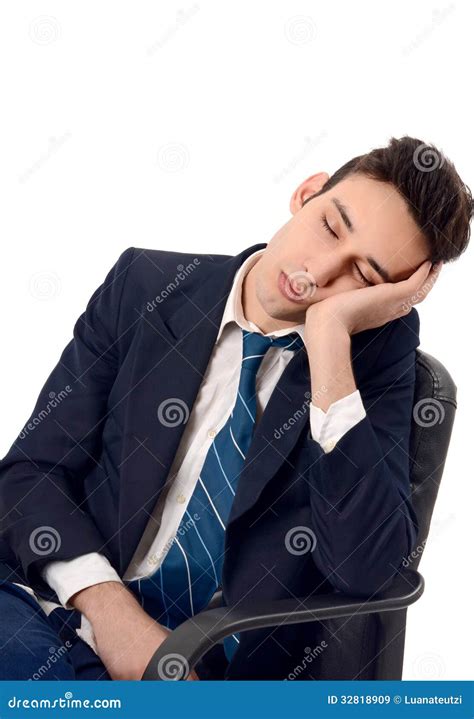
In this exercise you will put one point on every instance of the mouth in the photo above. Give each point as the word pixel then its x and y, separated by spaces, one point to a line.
pixel 286 289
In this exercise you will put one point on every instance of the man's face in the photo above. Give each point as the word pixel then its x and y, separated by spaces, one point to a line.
pixel 318 264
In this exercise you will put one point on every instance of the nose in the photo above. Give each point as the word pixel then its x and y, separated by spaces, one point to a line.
pixel 325 271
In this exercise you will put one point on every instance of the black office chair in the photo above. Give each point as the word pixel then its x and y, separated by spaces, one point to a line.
pixel 372 632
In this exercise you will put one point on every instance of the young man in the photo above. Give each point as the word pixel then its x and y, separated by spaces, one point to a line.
pixel 229 421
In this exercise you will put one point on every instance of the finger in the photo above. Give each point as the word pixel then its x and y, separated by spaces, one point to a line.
pixel 420 274
pixel 192 676
pixel 427 285
pixel 418 294
pixel 436 269
pixel 424 276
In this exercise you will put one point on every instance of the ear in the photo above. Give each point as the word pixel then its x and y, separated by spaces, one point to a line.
pixel 309 187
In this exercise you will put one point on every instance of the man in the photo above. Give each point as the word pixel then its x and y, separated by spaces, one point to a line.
pixel 211 413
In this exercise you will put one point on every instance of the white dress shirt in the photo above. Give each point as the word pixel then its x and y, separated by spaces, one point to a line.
pixel 214 402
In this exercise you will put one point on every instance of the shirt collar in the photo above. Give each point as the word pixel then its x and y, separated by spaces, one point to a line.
pixel 233 311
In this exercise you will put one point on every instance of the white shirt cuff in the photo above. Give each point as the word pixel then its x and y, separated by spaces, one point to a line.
pixel 327 428
pixel 70 576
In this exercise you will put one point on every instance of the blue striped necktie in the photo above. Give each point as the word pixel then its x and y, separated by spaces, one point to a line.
pixel 191 571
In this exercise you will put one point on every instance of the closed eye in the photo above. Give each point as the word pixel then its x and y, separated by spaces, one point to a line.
pixel 325 224
pixel 361 277
pixel 364 279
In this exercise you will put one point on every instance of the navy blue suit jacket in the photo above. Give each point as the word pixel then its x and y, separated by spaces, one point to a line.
pixel 93 468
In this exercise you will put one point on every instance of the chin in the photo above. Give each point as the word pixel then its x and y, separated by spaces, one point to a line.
pixel 287 314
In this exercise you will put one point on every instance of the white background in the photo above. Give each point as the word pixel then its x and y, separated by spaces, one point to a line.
pixel 187 126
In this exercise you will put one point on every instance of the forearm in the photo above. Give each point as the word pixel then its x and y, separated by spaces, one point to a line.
pixel 126 636
pixel 109 606
pixel 329 356
pixel 99 600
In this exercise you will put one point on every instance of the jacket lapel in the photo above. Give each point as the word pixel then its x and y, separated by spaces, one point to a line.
pixel 170 355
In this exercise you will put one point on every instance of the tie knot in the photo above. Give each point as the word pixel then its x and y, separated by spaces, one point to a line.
pixel 256 345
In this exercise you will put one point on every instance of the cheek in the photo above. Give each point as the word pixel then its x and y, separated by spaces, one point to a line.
pixel 342 284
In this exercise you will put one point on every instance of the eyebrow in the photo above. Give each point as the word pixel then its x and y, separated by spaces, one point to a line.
pixel 344 212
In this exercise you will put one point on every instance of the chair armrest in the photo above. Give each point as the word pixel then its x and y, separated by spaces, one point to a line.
pixel 184 647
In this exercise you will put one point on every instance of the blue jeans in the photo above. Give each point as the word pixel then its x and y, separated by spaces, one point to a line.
pixel 37 646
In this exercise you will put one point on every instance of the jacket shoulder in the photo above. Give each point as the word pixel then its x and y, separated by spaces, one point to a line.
pixel 153 276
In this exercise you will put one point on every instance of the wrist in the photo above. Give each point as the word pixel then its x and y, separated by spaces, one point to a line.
pixel 95 599
pixel 328 345
pixel 323 322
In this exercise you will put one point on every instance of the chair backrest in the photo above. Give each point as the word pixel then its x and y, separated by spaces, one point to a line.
pixel 372 645
pixel 434 407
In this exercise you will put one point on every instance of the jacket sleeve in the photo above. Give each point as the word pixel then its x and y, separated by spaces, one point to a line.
pixel 42 475
pixel 363 518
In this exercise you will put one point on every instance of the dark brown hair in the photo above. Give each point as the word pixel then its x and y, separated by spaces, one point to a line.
pixel 437 199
